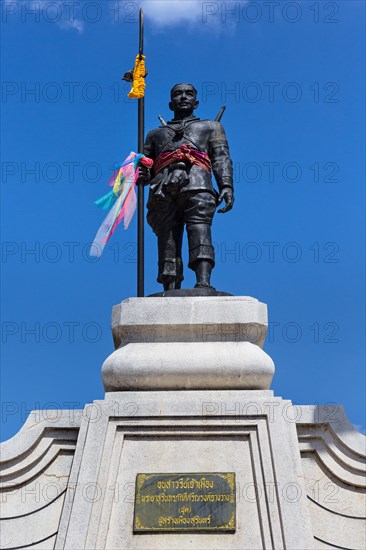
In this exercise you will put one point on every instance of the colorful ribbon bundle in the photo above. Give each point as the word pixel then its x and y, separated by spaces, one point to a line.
pixel 121 201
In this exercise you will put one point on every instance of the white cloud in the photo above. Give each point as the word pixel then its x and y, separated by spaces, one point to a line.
pixel 75 24
pixel 212 15
pixel 65 19
pixel 51 11
pixel 173 12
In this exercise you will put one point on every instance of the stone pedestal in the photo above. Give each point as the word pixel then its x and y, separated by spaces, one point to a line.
pixel 187 392
pixel 188 343
pixel 68 477
pixel 231 431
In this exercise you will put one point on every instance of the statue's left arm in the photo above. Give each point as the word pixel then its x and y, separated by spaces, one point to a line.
pixel 222 165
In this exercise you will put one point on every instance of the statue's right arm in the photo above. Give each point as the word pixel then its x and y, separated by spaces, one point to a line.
pixel 149 151
pixel 149 148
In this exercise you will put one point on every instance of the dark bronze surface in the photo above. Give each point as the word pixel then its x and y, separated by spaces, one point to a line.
pixel 192 502
pixel 181 193
pixel 191 292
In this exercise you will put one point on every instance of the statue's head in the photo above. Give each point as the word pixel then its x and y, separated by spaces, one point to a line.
pixel 183 99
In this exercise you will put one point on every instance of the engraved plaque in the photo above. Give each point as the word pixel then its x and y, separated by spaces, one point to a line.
pixel 185 502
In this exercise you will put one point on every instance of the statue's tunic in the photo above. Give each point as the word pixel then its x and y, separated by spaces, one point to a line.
pixel 182 193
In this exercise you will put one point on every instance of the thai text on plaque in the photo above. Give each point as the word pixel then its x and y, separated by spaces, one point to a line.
pixel 185 502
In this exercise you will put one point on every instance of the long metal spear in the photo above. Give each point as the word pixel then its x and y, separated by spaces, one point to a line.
pixel 140 190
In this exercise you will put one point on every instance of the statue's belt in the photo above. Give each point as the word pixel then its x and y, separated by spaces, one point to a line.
pixel 183 153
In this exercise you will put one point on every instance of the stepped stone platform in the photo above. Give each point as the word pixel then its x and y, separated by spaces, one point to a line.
pixel 187 394
pixel 181 343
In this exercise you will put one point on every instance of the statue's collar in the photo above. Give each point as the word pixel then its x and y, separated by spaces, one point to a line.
pixel 183 121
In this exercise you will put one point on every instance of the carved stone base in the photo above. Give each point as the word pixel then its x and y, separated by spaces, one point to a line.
pixel 68 478
pixel 180 343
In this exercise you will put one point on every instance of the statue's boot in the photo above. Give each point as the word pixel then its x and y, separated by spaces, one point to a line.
pixel 170 260
pixel 203 274
pixel 172 285
pixel 201 253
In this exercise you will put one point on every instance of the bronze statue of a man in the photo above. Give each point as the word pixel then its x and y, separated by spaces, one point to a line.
pixel 185 150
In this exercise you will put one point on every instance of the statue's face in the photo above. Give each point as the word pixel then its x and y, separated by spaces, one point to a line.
pixel 183 99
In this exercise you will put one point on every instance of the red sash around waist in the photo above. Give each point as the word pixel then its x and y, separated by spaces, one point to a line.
pixel 184 152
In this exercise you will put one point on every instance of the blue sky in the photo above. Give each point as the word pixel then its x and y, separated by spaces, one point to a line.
pixel 292 76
